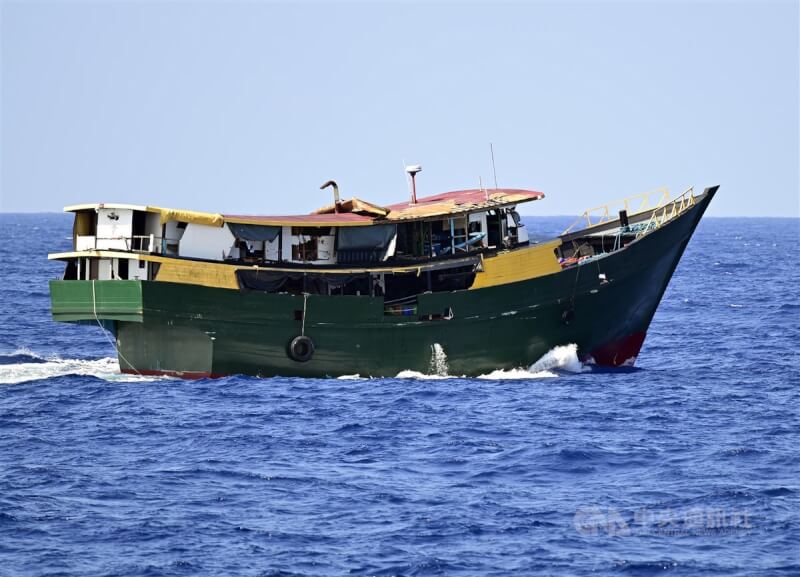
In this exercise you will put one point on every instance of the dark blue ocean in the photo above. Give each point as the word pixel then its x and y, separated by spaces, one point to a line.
pixel 688 464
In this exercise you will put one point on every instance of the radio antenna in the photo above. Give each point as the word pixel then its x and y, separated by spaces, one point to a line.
pixel 494 170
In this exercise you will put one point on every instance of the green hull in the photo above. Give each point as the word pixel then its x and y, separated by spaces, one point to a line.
pixel 193 331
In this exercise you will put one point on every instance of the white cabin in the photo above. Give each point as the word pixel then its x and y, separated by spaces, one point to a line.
pixel 126 228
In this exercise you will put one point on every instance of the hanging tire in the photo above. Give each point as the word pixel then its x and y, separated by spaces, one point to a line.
pixel 301 349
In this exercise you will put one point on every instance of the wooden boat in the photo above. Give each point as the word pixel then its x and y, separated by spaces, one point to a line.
pixel 357 288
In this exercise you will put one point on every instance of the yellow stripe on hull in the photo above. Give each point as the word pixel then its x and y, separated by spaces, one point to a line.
pixel 506 267
pixel 197 273
pixel 518 265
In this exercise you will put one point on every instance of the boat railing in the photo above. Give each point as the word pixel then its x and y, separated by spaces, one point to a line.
pixel 610 211
pixel 144 243
pixel 675 208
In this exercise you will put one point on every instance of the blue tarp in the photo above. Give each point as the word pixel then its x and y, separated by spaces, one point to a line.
pixel 254 231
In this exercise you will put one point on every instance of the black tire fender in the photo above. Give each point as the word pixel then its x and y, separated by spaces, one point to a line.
pixel 301 349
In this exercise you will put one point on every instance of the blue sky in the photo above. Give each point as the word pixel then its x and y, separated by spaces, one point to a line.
pixel 248 107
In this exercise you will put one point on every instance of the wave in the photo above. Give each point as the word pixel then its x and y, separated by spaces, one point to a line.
pixel 517 374
pixel 24 365
pixel 34 367
pixel 439 368
pixel 23 355
pixel 418 375
pixel 562 358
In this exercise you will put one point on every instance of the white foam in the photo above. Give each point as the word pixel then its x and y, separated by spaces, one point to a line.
pixel 564 358
pixel 438 368
pixel 25 351
pixel 417 375
pixel 513 374
pixel 438 360
pixel 106 368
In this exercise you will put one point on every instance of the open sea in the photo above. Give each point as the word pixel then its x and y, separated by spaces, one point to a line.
pixel 688 464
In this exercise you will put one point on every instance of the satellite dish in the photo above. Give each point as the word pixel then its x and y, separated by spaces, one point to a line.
pixel 413 169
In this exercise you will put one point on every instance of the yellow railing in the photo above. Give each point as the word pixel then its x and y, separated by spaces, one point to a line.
pixel 610 211
pixel 633 205
pixel 670 211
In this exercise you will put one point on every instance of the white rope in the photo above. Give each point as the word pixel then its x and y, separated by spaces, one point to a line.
pixel 305 304
pixel 97 320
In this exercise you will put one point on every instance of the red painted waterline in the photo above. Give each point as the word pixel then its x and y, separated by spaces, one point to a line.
pixel 616 353
pixel 190 375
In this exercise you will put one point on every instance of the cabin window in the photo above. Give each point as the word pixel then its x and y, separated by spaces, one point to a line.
pixel 495 228
pixel 251 251
pixel 122 268
pixel 414 239
pixel 71 271
pixel 305 250
pixel 311 243
pixel 84 230
pixel 449 236
pixel 138 224
pixel 256 243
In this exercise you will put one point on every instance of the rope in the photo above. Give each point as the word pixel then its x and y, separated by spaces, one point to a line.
pixel 305 305
pixel 599 272
pixel 97 320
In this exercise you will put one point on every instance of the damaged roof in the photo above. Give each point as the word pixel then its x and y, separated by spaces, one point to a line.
pixel 353 212
pixel 356 212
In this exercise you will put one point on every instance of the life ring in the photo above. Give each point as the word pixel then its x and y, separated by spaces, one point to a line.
pixel 301 349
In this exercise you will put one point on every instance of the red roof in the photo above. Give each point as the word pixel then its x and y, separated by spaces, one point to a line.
pixel 473 196
pixel 460 202
pixel 456 202
pixel 340 219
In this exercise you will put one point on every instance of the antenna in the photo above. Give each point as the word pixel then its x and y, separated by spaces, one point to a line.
pixel 494 170
pixel 413 170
